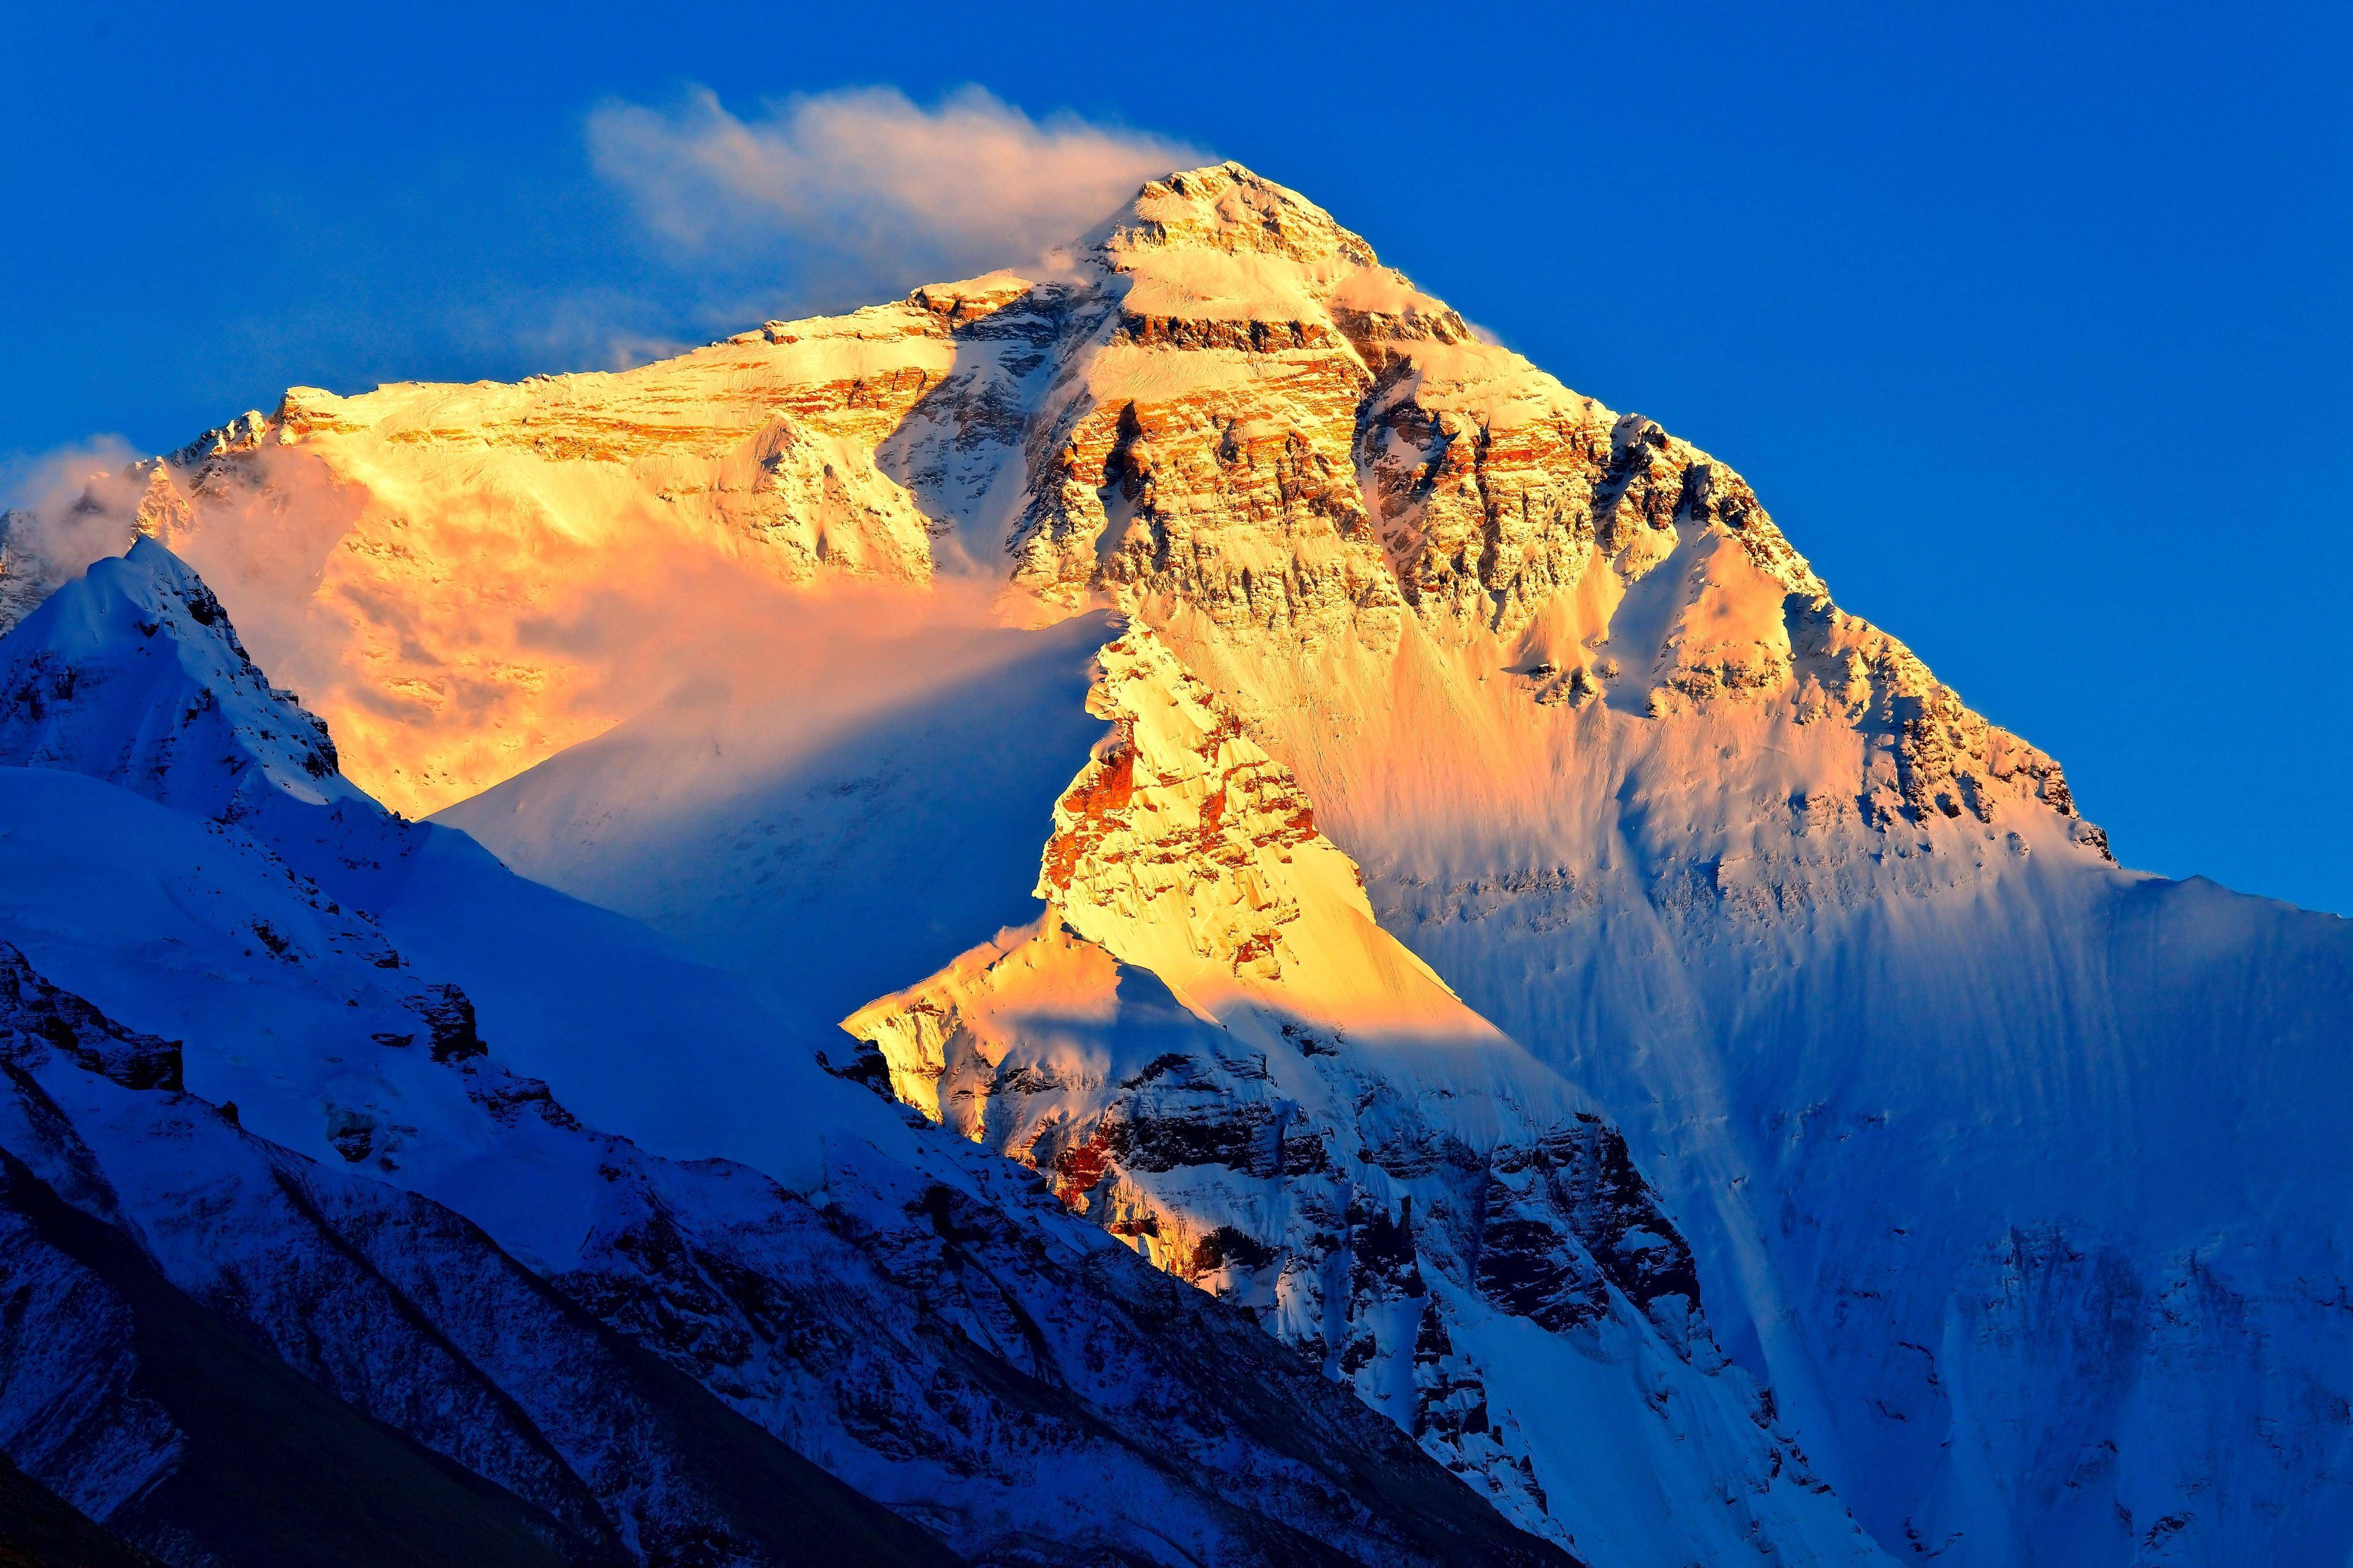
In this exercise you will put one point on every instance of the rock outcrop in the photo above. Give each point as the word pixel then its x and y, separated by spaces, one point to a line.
pixel 1208 1046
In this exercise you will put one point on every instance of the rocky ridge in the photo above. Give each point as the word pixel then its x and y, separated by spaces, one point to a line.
pixel 1208 1046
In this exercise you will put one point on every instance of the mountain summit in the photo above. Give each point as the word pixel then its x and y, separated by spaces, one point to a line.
pixel 1393 842
pixel 1229 415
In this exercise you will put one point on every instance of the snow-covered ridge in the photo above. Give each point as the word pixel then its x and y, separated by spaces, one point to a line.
pixel 617 1356
pixel 133 671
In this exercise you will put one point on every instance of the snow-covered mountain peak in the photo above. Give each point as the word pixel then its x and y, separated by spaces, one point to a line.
pixel 1223 415
pixel 1227 207
pixel 1871 1045
pixel 132 673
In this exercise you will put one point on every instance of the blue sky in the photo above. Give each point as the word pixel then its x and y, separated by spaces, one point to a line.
pixel 2030 325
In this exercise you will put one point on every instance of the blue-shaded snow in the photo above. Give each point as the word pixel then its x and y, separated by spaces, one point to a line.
pixel 828 861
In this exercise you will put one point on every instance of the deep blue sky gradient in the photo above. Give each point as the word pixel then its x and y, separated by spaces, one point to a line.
pixel 2031 324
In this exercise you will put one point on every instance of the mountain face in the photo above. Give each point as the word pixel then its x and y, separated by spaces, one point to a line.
pixel 319 1275
pixel 1301 799
pixel 1207 1043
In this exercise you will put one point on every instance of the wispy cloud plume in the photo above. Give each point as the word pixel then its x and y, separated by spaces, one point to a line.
pixel 867 186
pixel 60 510
pixel 594 329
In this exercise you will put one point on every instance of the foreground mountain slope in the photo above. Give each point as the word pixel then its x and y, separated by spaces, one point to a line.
pixel 40 1529
pixel 167 1377
pixel 129 1199
pixel 633 1353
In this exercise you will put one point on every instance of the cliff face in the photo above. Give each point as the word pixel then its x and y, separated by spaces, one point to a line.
pixel 1206 1044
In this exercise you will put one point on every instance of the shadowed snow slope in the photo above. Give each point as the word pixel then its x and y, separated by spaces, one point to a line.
pixel 464 1324
pixel 823 837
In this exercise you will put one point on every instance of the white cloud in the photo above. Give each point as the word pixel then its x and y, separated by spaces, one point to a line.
pixel 590 328
pixel 65 509
pixel 866 186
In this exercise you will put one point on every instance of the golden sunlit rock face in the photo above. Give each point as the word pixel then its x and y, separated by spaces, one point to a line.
pixel 478 556
pixel 1184 851
pixel 1207 1045
pixel 1224 414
